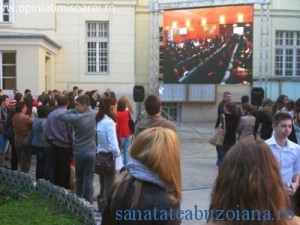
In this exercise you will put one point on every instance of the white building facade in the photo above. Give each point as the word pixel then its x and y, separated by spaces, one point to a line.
pixel 57 44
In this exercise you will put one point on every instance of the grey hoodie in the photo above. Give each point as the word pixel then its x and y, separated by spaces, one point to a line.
pixel 153 121
pixel 84 125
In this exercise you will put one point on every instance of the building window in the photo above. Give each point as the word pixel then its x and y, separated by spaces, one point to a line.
pixel 97 47
pixel 8 70
pixel 287 53
pixel 6 11
pixel 171 111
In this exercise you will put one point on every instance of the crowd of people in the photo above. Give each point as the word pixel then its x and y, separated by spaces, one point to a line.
pixel 259 161
pixel 277 123
pixel 60 128
pixel 253 121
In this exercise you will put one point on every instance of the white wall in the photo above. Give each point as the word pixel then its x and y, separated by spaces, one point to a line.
pixel 71 61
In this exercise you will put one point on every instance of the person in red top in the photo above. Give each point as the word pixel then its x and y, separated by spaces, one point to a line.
pixel 123 132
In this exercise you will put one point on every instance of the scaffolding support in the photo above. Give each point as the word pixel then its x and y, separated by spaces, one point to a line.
pixel 154 48
pixel 156 8
pixel 264 47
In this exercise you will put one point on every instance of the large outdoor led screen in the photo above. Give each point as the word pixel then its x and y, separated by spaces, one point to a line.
pixel 208 45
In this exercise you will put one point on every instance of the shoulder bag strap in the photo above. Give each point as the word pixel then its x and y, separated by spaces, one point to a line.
pixel 224 123
pixel 96 136
pixel 128 115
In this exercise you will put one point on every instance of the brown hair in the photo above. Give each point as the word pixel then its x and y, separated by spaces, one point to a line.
pixel 280 116
pixel 105 105
pixel 267 106
pixel 127 103
pixel 231 107
pixel 246 181
pixel 247 107
pixel 152 105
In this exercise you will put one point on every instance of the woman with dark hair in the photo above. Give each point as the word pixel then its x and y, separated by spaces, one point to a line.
pixel 249 181
pixel 153 182
pixel 264 117
pixel 281 104
pixel 72 104
pixel 123 131
pixel 107 142
pixel 231 123
pixel 31 109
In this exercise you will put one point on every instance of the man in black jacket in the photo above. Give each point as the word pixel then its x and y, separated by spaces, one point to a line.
pixel 295 134
pixel 226 98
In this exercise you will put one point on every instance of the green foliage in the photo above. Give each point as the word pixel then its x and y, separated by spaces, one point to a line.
pixel 17 208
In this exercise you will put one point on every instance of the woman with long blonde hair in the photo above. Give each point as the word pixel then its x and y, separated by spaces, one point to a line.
pixel 249 189
pixel 153 181
pixel 127 103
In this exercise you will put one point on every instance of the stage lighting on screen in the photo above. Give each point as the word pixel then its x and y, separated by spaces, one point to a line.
pixel 208 45
pixel 238 30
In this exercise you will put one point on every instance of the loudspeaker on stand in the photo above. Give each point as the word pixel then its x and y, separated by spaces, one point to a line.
pixel 138 93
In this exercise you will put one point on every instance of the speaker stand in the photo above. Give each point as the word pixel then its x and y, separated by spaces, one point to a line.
pixel 139 116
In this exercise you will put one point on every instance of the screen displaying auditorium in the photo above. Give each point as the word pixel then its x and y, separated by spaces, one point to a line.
pixel 208 45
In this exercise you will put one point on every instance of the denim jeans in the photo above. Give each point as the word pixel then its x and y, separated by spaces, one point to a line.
pixel 40 169
pixel 84 172
pixel 221 151
pixel 3 142
pixel 125 142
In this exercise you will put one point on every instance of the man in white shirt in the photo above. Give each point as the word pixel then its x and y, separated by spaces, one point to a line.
pixel 286 152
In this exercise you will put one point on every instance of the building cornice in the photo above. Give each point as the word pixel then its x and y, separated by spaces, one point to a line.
pixel 12 38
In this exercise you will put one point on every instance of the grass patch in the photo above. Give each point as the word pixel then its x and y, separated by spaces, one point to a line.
pixel 15 209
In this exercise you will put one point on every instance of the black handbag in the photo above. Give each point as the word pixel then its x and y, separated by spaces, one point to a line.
pixel 105 163
pixel 131 124
pixel 8 132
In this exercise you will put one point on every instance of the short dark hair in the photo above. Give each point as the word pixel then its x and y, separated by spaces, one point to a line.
pixel 83 99
pixel 244 99
pixel 3 98
pixel 20 106
pixel 152 105
pixel 279 116
pixel 62 100
pixel 80 91
pixel 42 111
pixel 27 91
